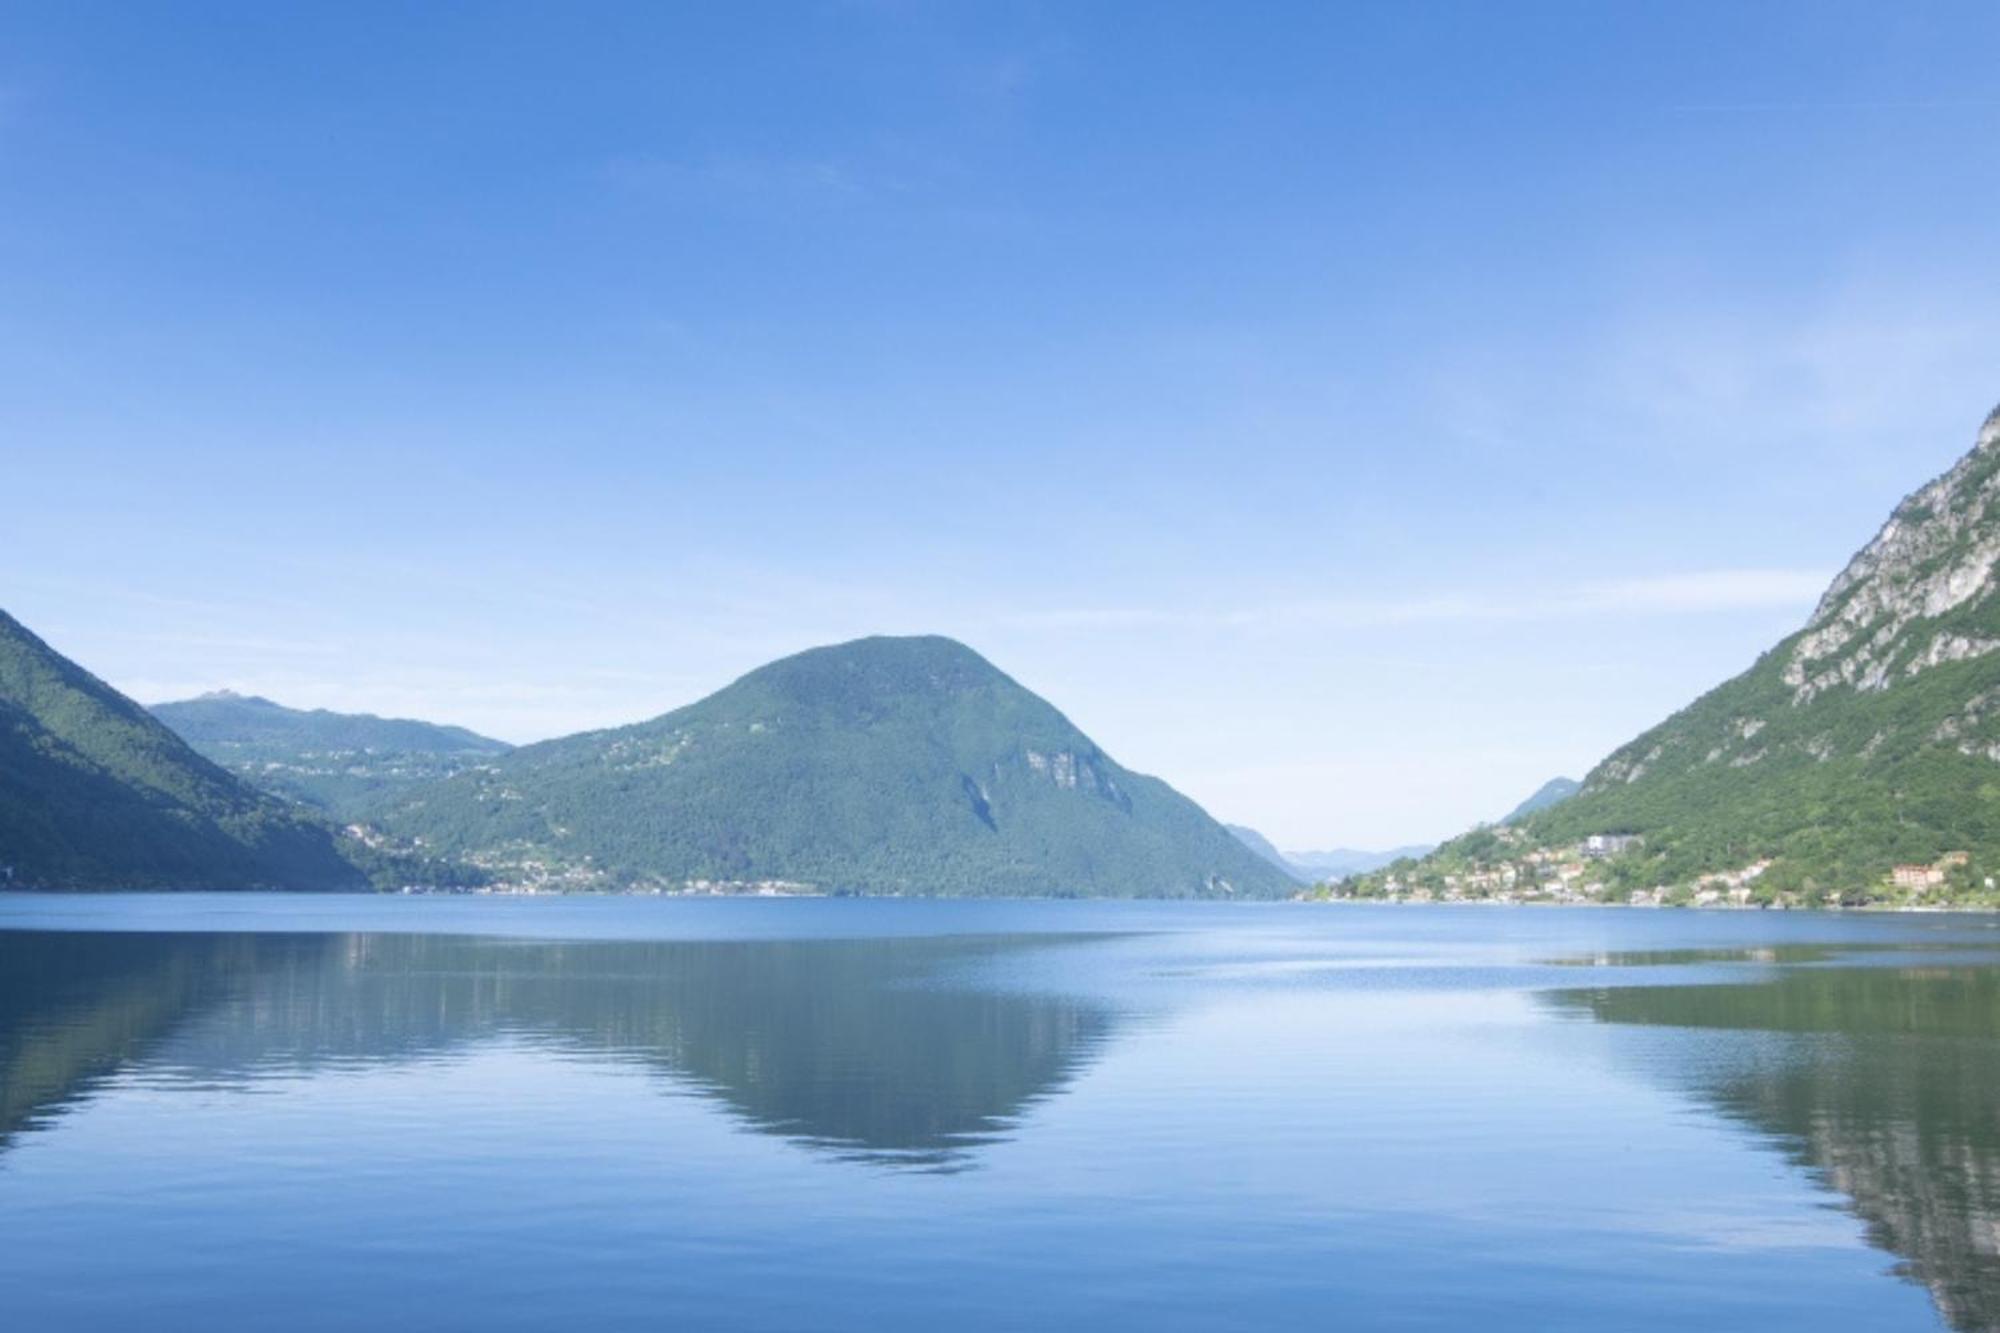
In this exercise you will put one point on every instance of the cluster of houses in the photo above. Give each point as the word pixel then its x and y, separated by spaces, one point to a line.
pixel 1543 875
pixel 1919 878
pixel 1572 875
pixel 741 888
pixel 1564 875
pixel 529 877
pixel 1731 887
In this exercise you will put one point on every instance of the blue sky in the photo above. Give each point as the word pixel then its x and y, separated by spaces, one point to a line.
pixel 1354 413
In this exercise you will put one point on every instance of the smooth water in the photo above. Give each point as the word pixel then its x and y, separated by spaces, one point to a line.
pixel 330 1113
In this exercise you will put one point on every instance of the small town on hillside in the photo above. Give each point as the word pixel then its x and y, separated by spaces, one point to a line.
pixel 1575 875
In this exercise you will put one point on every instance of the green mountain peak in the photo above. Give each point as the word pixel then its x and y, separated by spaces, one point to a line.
pixel 883 765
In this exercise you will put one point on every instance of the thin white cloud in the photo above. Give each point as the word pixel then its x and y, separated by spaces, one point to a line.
pixel 1697 593
pixel 1862 359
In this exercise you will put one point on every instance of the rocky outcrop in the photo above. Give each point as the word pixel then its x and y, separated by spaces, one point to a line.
pixel 1935 556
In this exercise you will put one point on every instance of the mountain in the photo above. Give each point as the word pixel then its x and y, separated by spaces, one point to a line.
pixel 1867 740
pixel 1551 793
pixel 337 762
pixel 1339 862
pixel 1316 866
pixel 1263 846
pixel 886 765
pixel 95 793
pixel 929 1071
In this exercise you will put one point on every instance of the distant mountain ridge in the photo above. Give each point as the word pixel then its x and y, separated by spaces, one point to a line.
pixel 1344 861
pixel 1549 795
pixel 1310 867
pixel 1338 862
pixel 336 762
pixel 1263 846
pixel 96 793
pixel 885 765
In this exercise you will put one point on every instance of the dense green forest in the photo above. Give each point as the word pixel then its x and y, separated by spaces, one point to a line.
pixel 335 762
pixel 881 766
pixel 96 793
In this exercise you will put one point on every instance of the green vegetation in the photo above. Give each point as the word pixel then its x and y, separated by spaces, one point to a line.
pixel 1868 740
pixel 1892 1104
pixel 97 794
pixel 336 762
pixel 1848 786
pixel 881 766
pixel 927 1071
pixel 1550 794
pixel 1264 847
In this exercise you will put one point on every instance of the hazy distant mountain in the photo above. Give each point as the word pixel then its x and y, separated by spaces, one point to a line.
pixel 1262 845
pixel 95 793
pixel 885 765
pixel 1341 861
pixel 1314 866
pixel 1551 793
pixel 338 762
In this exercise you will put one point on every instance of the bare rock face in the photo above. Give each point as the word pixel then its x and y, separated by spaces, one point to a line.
pixel 1867 740
pixel 1933 558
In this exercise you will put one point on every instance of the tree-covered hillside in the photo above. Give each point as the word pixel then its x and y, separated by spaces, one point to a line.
pixel 881 766
pixel 336 762
pixel 1264 847
pixel 1547 796
pixel 96 794
pixel 1868 740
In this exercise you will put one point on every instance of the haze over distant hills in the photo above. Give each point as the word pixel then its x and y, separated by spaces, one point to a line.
pixel 1314 866
pixel 337 762
pixel 1344 861
pixel 1263 846
pixel 885 765
pixel 96 793
pixel 1339 861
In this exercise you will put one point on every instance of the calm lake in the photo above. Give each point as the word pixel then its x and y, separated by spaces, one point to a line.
pixel 329 1113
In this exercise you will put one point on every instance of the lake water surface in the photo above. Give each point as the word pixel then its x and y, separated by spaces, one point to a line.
pixel 229 1111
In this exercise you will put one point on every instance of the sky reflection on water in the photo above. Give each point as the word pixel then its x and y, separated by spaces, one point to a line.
pixel 1004 1115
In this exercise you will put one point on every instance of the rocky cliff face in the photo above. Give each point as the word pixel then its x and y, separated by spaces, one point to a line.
pixel 1869 738
pixel 1934 557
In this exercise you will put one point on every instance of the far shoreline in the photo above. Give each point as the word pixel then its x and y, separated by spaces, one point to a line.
pixel 24 893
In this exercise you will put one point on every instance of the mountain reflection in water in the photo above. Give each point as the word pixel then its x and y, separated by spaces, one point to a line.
pixel 1884 1081
pixel 863 1049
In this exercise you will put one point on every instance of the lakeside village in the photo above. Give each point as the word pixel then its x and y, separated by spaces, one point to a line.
pixel 534 885
pixel 1580 874
pixel 525 871
pixel 1577 875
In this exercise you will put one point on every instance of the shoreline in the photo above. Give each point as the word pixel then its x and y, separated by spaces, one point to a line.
pixel 1909 909
pixel 1297 900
